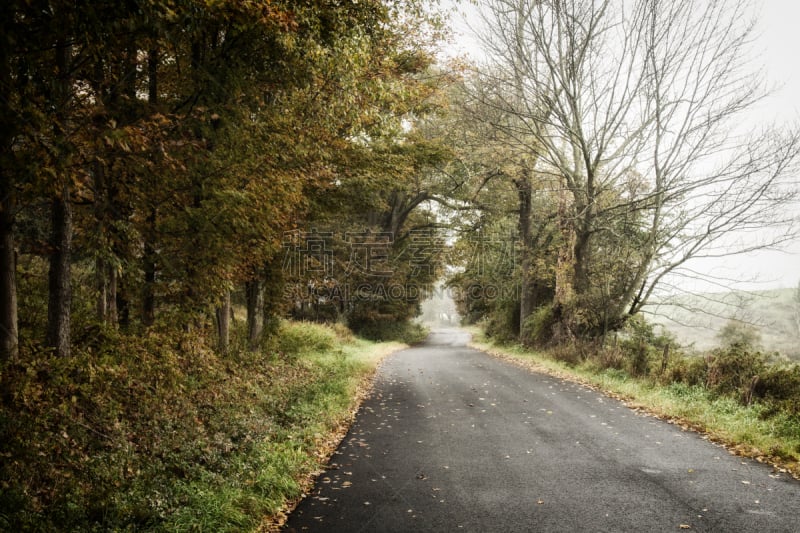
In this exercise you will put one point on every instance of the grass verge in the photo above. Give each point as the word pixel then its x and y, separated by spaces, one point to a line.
pixel 746 430
pixel 159 433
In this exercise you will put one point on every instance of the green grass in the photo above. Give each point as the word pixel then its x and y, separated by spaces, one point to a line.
pixel 753 430
pixel 314 412
pixel 159 433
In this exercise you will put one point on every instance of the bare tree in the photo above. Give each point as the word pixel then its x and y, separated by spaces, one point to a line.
pixel 633 108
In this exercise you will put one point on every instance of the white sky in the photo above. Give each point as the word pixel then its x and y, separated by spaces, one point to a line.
pixel 778 51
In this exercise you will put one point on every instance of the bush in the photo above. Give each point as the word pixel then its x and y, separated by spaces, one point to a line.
pixel 294 338
pixel 731 370
pixel 157 432
pixel 609 357
pixel 780 386
pixel 638 338
pixel 502 324
pixel 687 370
pixel 538 328
pixel 403 331
pixel 572 353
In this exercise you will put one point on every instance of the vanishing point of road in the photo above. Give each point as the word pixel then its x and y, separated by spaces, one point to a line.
pixel 453 439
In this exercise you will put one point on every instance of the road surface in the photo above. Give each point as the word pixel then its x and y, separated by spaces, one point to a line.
pixel 455 440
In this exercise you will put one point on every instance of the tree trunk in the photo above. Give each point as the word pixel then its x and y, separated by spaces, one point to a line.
pixel 111 295
pixel 272 293
pixel 59 283
pixel 9 327
pixel 527 289
pixel 224 323
pixel 255 304
pixel 149 266
pixel 122 303
pixel 101 285
pixel 565 272
pixel 101 268
pixel 582 257
pixel 9 338
pixel 149 259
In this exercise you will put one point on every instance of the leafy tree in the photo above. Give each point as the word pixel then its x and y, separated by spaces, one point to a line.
pixel 176 142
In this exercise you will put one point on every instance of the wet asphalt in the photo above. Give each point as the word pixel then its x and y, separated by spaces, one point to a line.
pixel 453 439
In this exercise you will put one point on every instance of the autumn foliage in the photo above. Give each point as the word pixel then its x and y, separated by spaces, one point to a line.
pixel 154 157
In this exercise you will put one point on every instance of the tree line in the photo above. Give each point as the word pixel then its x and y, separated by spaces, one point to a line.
pixel 156 154
pixel 162 158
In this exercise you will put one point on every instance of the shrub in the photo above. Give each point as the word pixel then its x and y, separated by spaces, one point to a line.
pixel 731 370
pixel 503 322
pixel 638 339
pixel 538 328
pixel 573 353
pixel 294 338
pixel 157 432
pixel 780 386
pixel 609 357
pixel 402 331
pixel 687 370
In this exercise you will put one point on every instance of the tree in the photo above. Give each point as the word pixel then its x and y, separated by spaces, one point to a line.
pixel 9 321
pixel 738 333
pixel 502 206
pixel 175 142
pixel 631 108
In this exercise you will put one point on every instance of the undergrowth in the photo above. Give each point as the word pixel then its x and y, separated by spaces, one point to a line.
pixel 159 433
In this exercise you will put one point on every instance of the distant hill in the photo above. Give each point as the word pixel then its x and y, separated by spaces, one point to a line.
pixel 697 319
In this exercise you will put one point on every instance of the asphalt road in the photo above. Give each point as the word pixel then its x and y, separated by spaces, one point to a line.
pixel 455 440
